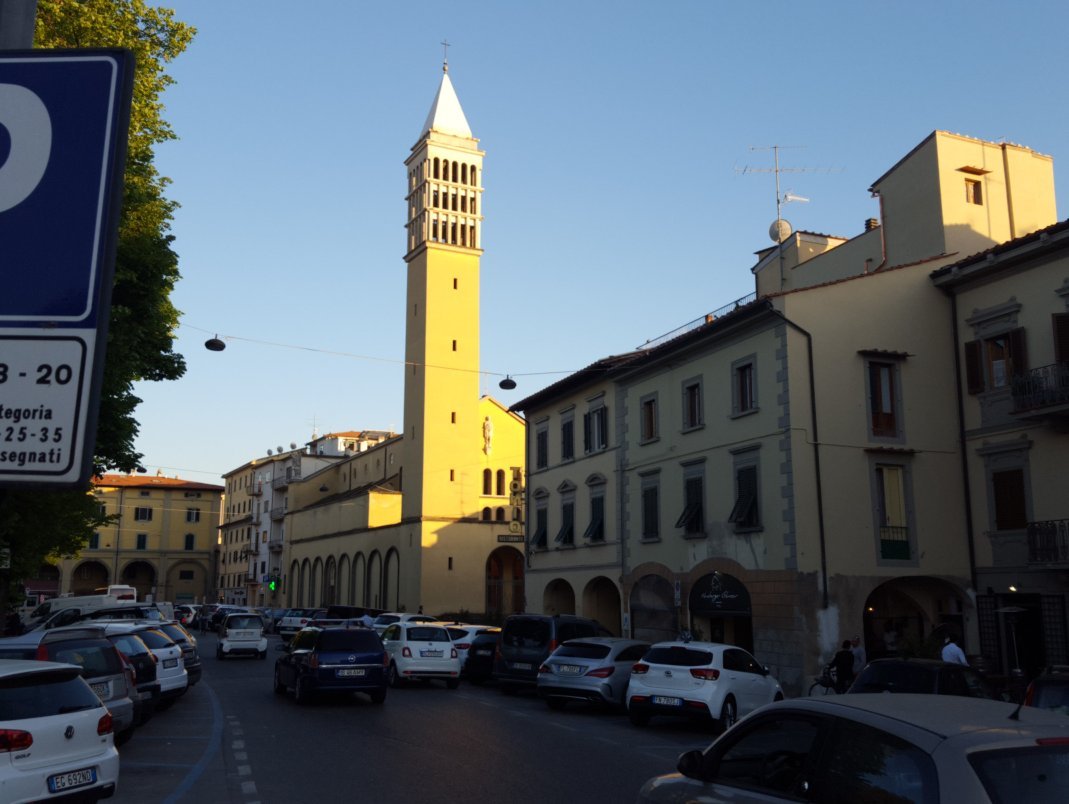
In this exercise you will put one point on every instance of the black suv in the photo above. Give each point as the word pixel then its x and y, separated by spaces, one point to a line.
pixel 332 660
pixel 526 641
pixel 924 676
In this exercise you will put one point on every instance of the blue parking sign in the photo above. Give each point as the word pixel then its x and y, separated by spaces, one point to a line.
pixel 64 118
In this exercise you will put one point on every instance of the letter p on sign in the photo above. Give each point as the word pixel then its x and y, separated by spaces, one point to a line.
pixel 30 128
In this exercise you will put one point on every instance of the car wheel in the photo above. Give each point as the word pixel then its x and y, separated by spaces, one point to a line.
pixel 378 696
pixel 729 713
pixel 280 688
pixel 392 676
pixel 301 692
pixel 638 718
pixel 262 654
pixel 123 737
pixel 452 683
pixel 779 696
pixel 556 703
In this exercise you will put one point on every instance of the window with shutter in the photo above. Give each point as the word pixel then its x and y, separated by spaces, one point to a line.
pixel 651 526
pixel 1060 321
pixel 1009 497
pixel 745 512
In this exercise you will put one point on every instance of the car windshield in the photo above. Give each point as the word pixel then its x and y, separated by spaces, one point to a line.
pixel 44 695
pixel 426 633
pixel 155 639
pixel 581 650
pixel 244 622
pixel 1037 774
pixel 364 640
pixel 679 656
pixel 895 677
pixel 526 633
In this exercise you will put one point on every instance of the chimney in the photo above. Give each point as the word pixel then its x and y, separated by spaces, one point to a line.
pixel 871 223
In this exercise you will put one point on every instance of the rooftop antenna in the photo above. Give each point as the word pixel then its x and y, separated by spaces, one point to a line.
pixel 780 229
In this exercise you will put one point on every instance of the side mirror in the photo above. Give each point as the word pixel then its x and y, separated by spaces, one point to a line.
pixel 690 764
pixel 765 670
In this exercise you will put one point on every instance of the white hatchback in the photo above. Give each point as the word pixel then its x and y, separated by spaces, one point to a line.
pixel 57 735
pixel 698 680
pixel 388 618
pixel 170 665
pixel 421 651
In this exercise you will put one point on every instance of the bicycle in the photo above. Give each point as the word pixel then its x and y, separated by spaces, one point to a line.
pixel 825 680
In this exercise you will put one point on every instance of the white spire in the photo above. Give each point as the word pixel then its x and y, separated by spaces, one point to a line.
pixel 446 116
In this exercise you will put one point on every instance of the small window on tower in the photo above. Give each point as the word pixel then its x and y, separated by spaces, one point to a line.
pixel 973 192
pixel 454 345
pixel 454 283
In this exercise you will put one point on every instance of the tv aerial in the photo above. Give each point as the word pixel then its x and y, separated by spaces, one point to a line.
pixel 781 229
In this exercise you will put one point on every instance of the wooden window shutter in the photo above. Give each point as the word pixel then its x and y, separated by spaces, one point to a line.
pixel 1018 352
pixel 587 446
pixel 974 366
pixel 1061 337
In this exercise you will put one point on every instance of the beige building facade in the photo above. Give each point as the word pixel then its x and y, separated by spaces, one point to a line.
pixel 788 470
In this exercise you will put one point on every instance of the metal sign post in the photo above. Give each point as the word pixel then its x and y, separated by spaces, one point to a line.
pixel 64 117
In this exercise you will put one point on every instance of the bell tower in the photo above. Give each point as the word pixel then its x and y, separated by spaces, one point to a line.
pixel 443 436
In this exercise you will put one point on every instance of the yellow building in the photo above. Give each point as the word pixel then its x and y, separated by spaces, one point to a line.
pixel 430 518
pixel 163 542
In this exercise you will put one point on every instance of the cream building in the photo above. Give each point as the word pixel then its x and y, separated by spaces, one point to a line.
pixel 433 517
pixel 162 542
pixel 787 470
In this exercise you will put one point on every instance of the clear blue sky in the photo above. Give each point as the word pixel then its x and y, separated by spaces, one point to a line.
pixel 615 135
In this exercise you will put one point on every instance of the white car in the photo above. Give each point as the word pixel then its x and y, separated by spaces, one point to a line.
pixel 391 617
pixel 57 735
pixel 419 650
pixel 462 634
pixel 698 680
pixel 878 747
pixel 170 665
pixel 241 634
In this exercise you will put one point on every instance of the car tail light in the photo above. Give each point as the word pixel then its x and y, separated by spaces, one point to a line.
pixel 406 652
pixel 1052 741
pixel 42 653
pixel 1030 694
pixel 385 660
pixel 497 652
pixel 104 725
pixel 640 669
pixel 544 668
pixel 463 645
pixel 15 740
pixel 453 654
pixel 601 672
pixel 155 658
pixel 640 699
pixel 304 621
pixel 696 705
pixel 313 661
pixel 553 645
pixel 705 673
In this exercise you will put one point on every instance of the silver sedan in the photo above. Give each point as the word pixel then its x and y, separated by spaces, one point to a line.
pixel 594 669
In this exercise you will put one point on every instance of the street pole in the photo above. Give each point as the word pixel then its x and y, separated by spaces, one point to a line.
pixel 17 18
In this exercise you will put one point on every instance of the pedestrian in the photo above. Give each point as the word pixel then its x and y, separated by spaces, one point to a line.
pixel 858 650
pixel 952 653
pixel 843 662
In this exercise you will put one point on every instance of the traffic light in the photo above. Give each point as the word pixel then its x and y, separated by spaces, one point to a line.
pixel 273 584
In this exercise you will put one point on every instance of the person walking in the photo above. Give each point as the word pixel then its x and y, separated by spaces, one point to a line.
pixel 952 653
pixel 843 662
pixel 858 650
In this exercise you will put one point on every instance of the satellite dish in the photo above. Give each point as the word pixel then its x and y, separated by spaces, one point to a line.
pixel 278 450
pixel 269 452
pixel 293 445
pixel 780 230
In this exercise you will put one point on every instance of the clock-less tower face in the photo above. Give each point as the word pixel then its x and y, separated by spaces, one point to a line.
pixel 443 432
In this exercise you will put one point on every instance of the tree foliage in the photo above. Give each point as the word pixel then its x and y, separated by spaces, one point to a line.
pixel 140 342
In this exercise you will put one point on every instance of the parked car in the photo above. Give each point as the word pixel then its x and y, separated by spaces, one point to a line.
pixel 143 660
pixel 706 680
pixel 595 670
pixel 923 676
pixel 388 618
pixel 222 611
pixel 875 747
pixel 188 643
pixel 295 620
pixel 57 735
pixel 184 613
pixel 420 650
pixel 170 668
pixel 103 667
pixel 479 667
pixel 528 639
pixel 462 634
pixel 241 634
pixel 333 660
pixel 1050 690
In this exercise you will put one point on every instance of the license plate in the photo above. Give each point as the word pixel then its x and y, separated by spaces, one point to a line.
pixel 102 690
pixel 522 666
pixel 347 672
pixel 431 654
pixel 569 669
pixel 66 781
pixel 483 652
pixel 170 662
pixel 245 635
pixel 666 701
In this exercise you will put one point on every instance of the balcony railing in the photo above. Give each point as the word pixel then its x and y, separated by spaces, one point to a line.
pixel 278 513
pixel 275 546
pixel 894 542
pixel 255 489
pixel 1048 542
pixel 1043 387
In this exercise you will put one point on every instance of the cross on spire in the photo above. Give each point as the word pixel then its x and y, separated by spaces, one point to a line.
pixel 445 55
